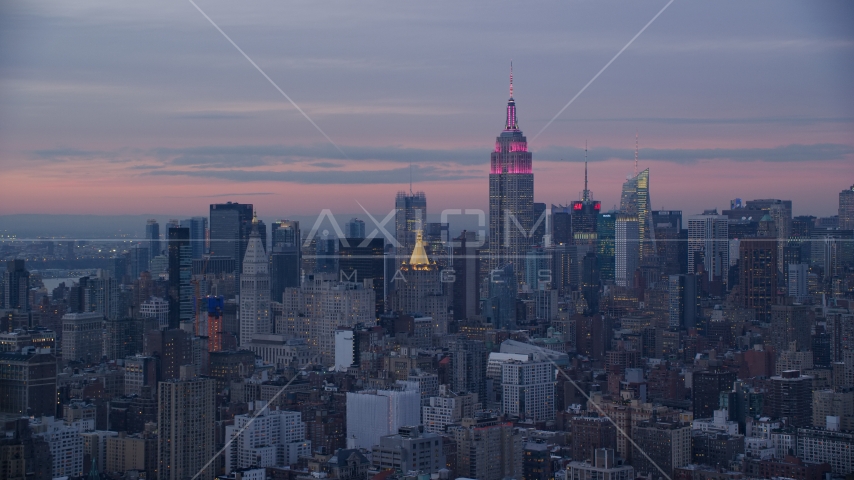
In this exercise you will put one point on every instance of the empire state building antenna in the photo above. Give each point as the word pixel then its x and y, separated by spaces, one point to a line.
pixel 586 194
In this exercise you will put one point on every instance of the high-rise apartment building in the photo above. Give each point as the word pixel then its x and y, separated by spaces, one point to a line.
pixel 511 195
pixel 528 390
pixel 846 209
pixel 667 445
pixel 790 398
pixel 708 244
pixel 447 408
pixel 65 442
pixel 627 248
pixel 468 366
pixel 180 275
pixel 265 439
pixel 186 419
pixel 487 449
pixel 230 226
pixel 254 291
pixel 589 434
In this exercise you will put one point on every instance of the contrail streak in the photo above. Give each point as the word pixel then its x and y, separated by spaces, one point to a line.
pixel 602 70
pixel 270 79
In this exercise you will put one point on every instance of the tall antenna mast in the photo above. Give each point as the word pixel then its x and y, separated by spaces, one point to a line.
pixel 410 176
pixel 636 153
pixel 511 78
pixel 586 195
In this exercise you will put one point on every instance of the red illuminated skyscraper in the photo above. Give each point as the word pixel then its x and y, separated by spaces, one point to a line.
pixel 511 194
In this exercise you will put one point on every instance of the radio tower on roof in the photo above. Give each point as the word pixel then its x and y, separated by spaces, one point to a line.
pixel 586 195
pixel 636 153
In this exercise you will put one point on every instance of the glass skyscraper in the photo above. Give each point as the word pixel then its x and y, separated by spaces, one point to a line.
pixel 635 201
pixel 230 227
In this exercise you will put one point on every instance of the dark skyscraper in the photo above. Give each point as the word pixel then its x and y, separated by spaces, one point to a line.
pixel 16 285
pixel 230 226
pixel 706 391
pixel 466 273
pixel 468 367
pixel 511 195
pixel 561 225
pixel 605 233
pixel 360 259
pixel 152 234
pixel 284 257
pixel 180 273
pixel 198 234
pixel 757 258
pixel 672 253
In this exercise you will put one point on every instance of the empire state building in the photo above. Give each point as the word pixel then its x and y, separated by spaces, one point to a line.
pixel 511 195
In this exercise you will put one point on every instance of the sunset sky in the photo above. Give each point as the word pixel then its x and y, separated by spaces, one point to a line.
pixel 144 107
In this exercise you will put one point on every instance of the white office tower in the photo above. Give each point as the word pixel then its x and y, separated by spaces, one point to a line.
pixel 373 414
pixel 528 389
pixel 272 438
pixel 708 238
pixel 317 309
pixel 254 290
pixel 798 286
pixel 626 249
pixel 345 351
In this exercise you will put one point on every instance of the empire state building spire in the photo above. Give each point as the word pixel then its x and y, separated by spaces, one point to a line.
pixel 511 124
pixel 511 195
